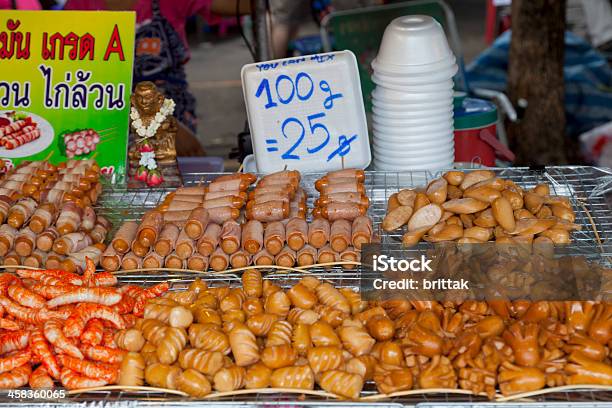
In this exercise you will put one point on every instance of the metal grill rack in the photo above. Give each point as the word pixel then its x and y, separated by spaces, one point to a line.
pixel 583 185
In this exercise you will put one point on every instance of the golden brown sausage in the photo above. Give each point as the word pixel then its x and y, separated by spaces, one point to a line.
pixel 219 260
pixel 209 240
pixel 263 257
pixel 124 236
pixel 7 238
pixel 351 255
pixel 196 223
pixel 184 245
pixel 342 211
pixel 357 198
pixel 234 201
pixel 138 249
pixel 110 260
pixel 318 232
pixel 240 259
pixel 296 233
pixel 197 262
pixel 43 217
pixel 230 237
pixel 73 242
pixel 131 261
pixel 153 260
pixel 274 237
pixel 361 231
pixel 167 239
pixel 149 228
pixel 327 255
pixel 25 241
pixel 286 257
pixel 340 235
pixel 219 215
pixel 21 212
pixel 347 186
pixel 174 261
pixel 269 211
pixel 307 255
pixel 69 219
pixel 252 236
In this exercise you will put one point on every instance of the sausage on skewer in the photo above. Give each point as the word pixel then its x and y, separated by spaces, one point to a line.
pixel 131 261
pixel 240 259
pixel 110 260
pixel 45 241
pixel 307 255
pixel 286 257
pixel 69 219
pixel 230 237
pixel 297 233
pixel 73 242
pixel 263 257
pixel 43 217
pixel 198 262
pixel 209 240
pixel 153 260
pixel 124 236
pixel 351 255
pixel 21 212
pixel 269 211
pixel 184 245
pixel 327 255
pixel 174 261
pixel 361 231
pixel 219 260
pixel 196 223
pixel 340 235
pixel 25 240
pixel 167 240
pixel 274 237
pixel 219 215
pixel 252 236
pixel 149 228
pixel 7 238
pixel 318 232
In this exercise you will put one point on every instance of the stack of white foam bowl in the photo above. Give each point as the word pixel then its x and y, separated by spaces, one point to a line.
pixel 413 100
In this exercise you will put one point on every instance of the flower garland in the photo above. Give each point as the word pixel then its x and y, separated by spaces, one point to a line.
pixel 147 170
pixel 166 110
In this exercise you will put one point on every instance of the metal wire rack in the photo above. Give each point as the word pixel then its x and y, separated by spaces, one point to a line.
pixel 581 184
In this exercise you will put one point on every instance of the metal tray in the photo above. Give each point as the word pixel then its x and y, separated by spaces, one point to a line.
pixel 587 188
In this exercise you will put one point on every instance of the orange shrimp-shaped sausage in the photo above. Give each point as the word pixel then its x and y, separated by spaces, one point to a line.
pixel 11 325
pixel 40 379
pixel 15 378
pixel 68 277
pixel 89 272
pixel 40 348
pixel 90 369
pixel 83 313
pixel 73 380
pixel 6 280
pixel 93 333
pixel 103 354
pixel 108 339
pixel 51 277
pixel 14 361
pixel 54 335
pixel 125 305
pixel 131 290
pixel 103 279
pixel 149 293
pixel 103 296
pixel 25 297
pixel 49 292
pixel 17 340
pixel 24 314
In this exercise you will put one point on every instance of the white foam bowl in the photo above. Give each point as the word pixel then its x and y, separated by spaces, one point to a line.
pixel 442 117
pixel 423 69
pixel 439 96
pixel 421 137
pixel 422 144
pixel 414 130
pixel 414 80
pixel 414 154
pixel 413 40
pixel 435 75
pixel 417 178
pixel 393 164
pixel 409 113
pixel 419 88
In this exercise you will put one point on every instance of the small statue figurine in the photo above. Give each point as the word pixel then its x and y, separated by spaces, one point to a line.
pixel 155 129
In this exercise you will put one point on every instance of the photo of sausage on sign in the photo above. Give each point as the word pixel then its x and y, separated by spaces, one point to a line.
pixel 306 113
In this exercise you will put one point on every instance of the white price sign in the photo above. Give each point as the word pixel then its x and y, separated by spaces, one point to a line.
pixel 306 113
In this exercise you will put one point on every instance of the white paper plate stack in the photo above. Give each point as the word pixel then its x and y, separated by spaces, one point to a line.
pixel 413 100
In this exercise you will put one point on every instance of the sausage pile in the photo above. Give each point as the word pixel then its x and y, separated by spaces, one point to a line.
pixel 53 225
pixel 199 227
pixel 277 196
pixel 260 335
pixel 18 133
pixel 478 207
pixel 59 326
pixel 81 142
